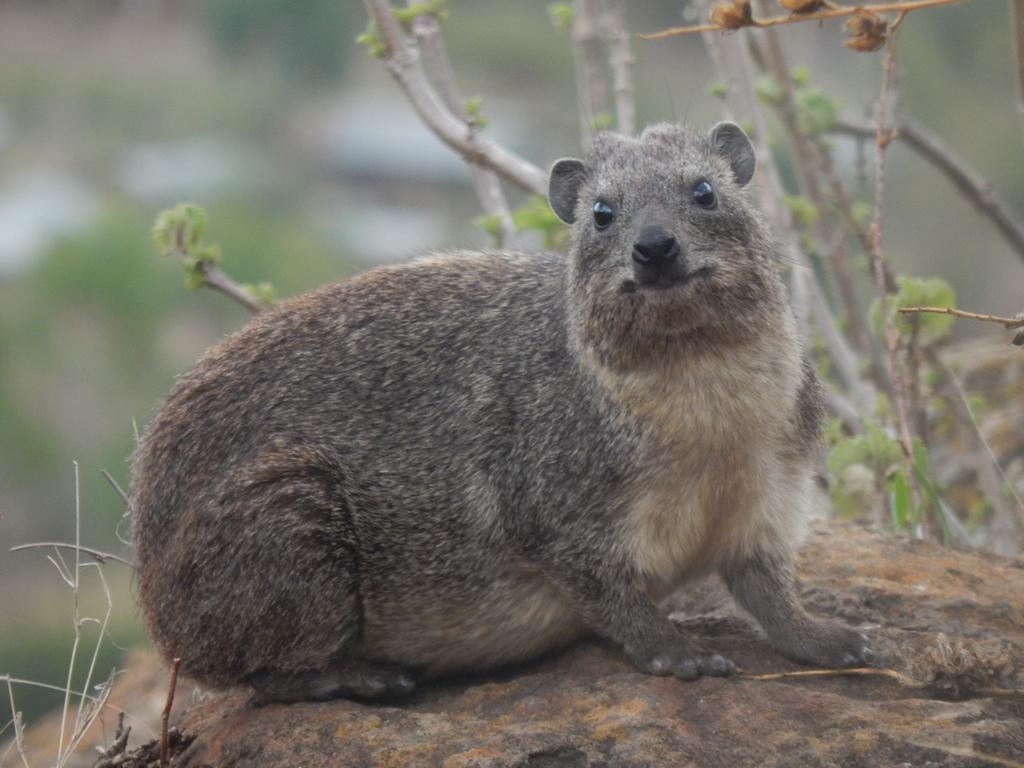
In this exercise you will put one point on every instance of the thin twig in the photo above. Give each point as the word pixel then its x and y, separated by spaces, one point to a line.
pixel 809 158
pixel 86 715
pixel 882 139
pixel 427 31
pixel 166 714
pixel 834 13
pixel 119 746
pixel 918 414
pixel 403 61
pixel 215 278
pixel 965 180
pixel 1007 322
pixel 73 579
pixel 588 56
pixel 97 555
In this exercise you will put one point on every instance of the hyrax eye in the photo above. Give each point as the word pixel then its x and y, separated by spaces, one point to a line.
pixel 604 214
pixel 704 195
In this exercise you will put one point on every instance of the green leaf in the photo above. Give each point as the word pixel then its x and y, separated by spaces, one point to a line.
pixel 805 213
pixel 491 225
pixel 717 90
pixel 899 498
pixel 536 214
pixel 603 121
pixel 265 292
pixel 472 107
pixel 376 47
pixel 815 112
pixel 208 254
pixel 846 452
pixel 884 451
pixel 194 278
pixel 179 228
pixel 768 90
pixel 917 292
pixel 433 7
pixel 923 473
pixel 862 212
pixel 561 16
pixel 800 76
pixel 854 490
pixel 835 431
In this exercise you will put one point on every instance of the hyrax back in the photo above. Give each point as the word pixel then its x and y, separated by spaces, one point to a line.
pixel 474 457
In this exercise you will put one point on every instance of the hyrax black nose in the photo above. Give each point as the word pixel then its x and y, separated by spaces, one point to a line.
pixel 655 248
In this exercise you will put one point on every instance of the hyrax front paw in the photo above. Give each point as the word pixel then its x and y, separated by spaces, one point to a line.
pixel 826 644
pixel 685 661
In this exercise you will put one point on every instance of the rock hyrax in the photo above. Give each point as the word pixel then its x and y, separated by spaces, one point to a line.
pixel 475 457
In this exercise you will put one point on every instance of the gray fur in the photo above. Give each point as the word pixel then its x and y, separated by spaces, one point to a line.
pixel 469 459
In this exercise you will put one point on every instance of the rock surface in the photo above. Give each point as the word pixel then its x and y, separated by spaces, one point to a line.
pixel 951 622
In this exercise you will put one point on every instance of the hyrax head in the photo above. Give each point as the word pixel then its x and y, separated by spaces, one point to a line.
pixel 664 241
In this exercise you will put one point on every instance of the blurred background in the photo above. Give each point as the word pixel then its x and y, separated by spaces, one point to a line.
pixel 312 166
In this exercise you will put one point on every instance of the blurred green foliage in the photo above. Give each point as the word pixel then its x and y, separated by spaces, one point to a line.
pixel 309 37
pixel 916 292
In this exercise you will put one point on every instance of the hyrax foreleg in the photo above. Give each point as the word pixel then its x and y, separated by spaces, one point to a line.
pixel 765 587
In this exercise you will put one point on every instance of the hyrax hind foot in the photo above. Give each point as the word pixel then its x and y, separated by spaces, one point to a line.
pixel 353 678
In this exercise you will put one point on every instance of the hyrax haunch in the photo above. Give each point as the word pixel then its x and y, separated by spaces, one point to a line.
pixel 472 458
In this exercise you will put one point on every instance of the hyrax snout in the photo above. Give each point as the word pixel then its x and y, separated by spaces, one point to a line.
pixel 469 459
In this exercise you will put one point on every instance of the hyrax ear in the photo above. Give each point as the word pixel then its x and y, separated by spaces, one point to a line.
pixel 564 183
pixel 732 143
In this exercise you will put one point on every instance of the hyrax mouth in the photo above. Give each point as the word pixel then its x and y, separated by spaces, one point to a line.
pixel 663 281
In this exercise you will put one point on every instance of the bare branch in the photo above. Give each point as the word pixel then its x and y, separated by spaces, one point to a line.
pixel 621 61
pixel 427 31
pixel 1009 323
pixel 99 557
pixel 883 137
pixel 588 54
pixel 833 13
pixel 215 278
pixel 976 190
pixel 403 61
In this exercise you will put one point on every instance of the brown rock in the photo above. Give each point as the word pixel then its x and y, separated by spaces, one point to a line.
pixel 588 707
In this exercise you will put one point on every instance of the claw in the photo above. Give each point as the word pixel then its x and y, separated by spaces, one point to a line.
pixel 719 666
pixel 687 669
